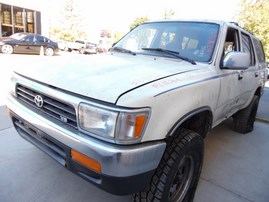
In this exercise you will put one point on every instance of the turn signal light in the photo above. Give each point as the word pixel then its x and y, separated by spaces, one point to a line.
pixel 86 161
pixel 8 112
pixel 139 123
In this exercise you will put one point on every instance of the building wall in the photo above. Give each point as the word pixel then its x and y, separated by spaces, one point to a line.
pixel 14 18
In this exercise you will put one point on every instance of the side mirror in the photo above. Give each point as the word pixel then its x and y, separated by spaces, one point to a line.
pixel 236 61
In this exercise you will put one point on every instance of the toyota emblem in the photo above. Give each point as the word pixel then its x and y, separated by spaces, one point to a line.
pixel 38 101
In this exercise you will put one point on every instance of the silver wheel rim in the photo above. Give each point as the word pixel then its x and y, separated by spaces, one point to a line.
pixel 7 49
pixel 49 52
pixel 182 179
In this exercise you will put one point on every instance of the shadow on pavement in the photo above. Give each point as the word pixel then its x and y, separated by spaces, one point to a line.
pixel 263 110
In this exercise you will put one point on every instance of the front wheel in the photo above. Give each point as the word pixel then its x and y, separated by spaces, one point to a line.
pixel 177 176
pixel 7 49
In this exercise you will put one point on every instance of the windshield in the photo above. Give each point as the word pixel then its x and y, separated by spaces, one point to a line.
pixel 193 40
pixel 18 36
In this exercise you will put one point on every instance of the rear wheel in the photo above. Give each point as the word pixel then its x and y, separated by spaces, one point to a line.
pixel 7 49
pixel 177 176
pixel 243 120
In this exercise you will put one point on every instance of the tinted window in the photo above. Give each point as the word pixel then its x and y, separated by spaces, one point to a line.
pixel 40 39
pixel 247 47
pixel 29 38
pixel 259 50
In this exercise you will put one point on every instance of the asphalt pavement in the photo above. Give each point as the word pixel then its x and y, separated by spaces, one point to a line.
pixel 236 166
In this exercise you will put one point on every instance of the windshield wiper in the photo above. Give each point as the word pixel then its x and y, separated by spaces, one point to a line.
pixel 123 50
pixel 173 53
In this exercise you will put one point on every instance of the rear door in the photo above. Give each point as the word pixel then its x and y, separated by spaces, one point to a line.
pixel 249 78
pixel 260 58
pixel 39 42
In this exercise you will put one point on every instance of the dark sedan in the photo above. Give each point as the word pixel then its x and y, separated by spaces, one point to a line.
pixel 28 43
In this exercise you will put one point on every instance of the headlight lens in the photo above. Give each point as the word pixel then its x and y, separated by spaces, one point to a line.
pixel 97 120
pixel 122 126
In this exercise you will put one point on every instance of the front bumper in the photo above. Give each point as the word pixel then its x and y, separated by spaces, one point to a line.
pixel 125 169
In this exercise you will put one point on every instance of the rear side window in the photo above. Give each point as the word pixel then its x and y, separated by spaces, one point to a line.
pixel 40 39
pixel 248 48
pixel 259 50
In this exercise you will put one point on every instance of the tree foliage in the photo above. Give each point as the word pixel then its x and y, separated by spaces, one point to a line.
pixel 254 17
pixel 169 14
pixel 70 23
pixel 118 36
pixel 138 21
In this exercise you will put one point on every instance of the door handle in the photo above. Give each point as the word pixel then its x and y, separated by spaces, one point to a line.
pixel 256 74
pixel 240 75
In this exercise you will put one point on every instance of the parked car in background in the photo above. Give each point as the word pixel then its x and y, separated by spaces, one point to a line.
pixel 91 48
pixel 62 45
pixel 28 43
pixel 76 45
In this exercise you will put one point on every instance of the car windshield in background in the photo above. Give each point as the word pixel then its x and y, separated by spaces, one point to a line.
pixel 18 36
pixel 193 40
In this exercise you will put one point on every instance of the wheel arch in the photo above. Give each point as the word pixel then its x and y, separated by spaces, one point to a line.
pixel 258 91
pixel 198 120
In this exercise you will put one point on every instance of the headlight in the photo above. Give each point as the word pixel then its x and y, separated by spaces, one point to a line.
pixel 119 125
pixel 97 120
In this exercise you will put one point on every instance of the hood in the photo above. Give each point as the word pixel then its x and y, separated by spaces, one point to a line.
pixel 103 77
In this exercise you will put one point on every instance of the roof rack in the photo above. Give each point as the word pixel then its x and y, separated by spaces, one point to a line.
pixel 235 23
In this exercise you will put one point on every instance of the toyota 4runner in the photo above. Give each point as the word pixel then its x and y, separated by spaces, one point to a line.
pixel 133 120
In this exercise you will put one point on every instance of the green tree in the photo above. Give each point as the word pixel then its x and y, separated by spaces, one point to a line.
pixel 118 36
pixel 138 21
pixel 253 16
pixel 70 23
pixel 169 14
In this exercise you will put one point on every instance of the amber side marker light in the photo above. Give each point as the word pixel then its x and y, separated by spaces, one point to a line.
pixel 86 161
pixel 9 112
pixel 139 124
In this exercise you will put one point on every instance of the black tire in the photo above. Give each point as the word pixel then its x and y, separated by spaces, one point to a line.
pixel 178 173
pixel 243 120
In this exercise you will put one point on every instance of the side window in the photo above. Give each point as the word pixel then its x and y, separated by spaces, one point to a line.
pixel 247 47
pixel 29 39
pixel 259 50
pixel 231 42
pixel 39 39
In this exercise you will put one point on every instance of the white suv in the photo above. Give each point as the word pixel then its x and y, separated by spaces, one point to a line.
pixel 133 120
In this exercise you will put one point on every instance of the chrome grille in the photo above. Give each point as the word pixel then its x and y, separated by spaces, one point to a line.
pixel 52 107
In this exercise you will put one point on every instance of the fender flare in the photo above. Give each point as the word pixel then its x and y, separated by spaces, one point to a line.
pixel 188 116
